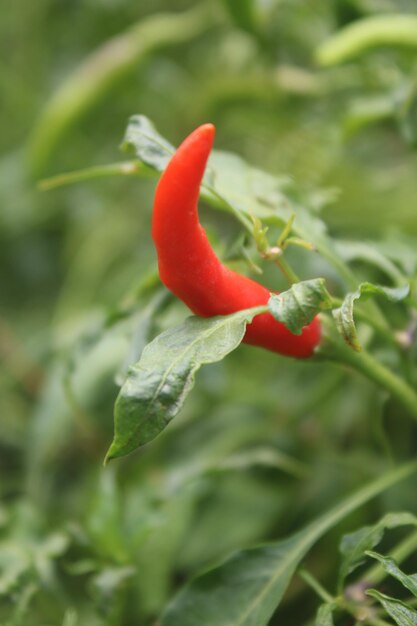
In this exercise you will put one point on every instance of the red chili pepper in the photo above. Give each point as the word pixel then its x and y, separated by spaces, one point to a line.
pixel 188 265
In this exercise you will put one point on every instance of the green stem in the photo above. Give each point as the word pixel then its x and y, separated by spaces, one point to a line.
pixel 286 269
pixel 334 349
pixel 316 585
pixel 125 168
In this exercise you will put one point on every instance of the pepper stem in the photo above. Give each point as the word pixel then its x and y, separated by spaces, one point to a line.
pixel 287 270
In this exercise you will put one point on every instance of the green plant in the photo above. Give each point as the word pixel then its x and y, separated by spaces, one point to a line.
pixel 232 512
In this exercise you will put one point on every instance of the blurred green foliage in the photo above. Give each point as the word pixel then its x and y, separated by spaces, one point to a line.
pixel 264 444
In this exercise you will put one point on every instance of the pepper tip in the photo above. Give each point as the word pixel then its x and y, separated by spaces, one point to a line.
pixel 208 130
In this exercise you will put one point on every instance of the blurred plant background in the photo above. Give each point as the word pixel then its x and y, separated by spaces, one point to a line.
pixel 264 444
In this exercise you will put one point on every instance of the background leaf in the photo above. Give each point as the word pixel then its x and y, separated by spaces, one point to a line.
pixel 354 546
pixel 258 576
pixel 325 615
pixel 391 567
pixel 371 32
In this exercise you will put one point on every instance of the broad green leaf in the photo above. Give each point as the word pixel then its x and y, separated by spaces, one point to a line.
pixel 297 306
pixel 400 613
pixel 324 615
pixel 370 32
pixel 246 589
pixel 391 567
pixel 344 315
pixel 354 545
pixel 244 189
pixel 156 387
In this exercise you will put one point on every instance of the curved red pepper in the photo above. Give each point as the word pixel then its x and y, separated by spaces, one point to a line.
pixel 188 265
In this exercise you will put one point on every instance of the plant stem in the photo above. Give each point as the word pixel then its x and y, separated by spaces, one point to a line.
pixel 334 349
pixel 286 269
pixel 125 168
pixel 316 585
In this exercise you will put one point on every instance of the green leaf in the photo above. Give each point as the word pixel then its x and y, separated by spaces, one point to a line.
pixel 370 32
pixel 239 462
pixel 244 189
pixel 391 567
pixel 104 521
pixel 267 457
pixel 156 387
pixel 369 253
pixel 400 613
pixel 344 315
pixel 354 545
pixel 297 306
pixel 107 587
pixel 324 615
pixel 143 140
pixel 246 589
pixel 158 553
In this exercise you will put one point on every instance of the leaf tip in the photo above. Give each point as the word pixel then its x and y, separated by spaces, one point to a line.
pixel 111 454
